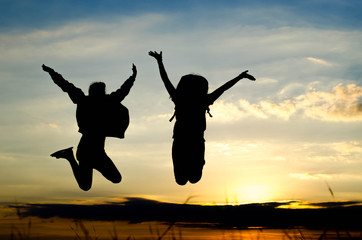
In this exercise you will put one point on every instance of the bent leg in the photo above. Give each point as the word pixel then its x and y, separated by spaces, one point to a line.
pixel 82 173
pixel 107 168
pixel 195 175
pixel 188 157
pixel 179 164
pixel 91 152
pixel 84 176
pixel 197 160
pixel 88 152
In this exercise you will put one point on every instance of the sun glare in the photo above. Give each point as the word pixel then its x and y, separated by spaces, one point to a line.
pixel 254 193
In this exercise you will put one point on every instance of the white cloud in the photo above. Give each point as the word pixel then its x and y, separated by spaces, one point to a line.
pixel 53 125
pixel 267 80
pixel 342 104
pixel 319 61
pixel 310 176
pixel 348 149
pixel 282 110
pixel 290 89
pixel 253 109
pixel 164 117
pixel 226 112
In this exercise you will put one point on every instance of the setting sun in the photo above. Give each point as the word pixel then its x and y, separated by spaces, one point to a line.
pixel 254 193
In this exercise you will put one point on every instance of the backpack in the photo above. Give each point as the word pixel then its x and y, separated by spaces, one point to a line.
pixel 118 121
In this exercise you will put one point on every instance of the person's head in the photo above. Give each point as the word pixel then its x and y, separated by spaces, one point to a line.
pixel 192 85
pixel 97 89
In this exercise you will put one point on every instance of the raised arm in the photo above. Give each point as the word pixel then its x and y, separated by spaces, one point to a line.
pixel 218 92
pixel 57 78
pixel 74 93
pixel 169 87
pixel 123 91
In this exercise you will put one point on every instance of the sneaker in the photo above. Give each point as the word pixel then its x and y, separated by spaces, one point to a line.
pixel 63 153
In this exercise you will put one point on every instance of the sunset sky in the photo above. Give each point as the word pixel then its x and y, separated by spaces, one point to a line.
pixel 290 135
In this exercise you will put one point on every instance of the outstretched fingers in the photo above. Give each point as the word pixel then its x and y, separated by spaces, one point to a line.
pixel 156 55
pixel 46 68
pixel 134 69
pixel 248 76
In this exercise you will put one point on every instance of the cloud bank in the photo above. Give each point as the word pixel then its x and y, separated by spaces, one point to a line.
pixel 270 215
pixel 342 104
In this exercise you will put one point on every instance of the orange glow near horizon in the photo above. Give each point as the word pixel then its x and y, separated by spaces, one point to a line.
pixel 64 229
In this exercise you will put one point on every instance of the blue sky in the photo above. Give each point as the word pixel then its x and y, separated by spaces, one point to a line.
pixel 279 138
pixel 39 14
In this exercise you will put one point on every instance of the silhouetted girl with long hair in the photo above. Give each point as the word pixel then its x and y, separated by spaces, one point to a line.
pixel 192 102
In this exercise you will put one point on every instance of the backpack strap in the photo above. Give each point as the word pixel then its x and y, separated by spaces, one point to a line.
pixel 173 116
pixel 208 111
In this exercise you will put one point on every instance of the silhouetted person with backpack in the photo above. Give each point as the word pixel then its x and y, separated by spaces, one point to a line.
pixel 191 104
pixel 99 115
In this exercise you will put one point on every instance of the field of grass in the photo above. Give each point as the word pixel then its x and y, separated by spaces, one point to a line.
pixel 32 228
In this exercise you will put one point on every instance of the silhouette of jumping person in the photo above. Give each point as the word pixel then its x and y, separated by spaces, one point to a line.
pixel 191 101
pixel 99 115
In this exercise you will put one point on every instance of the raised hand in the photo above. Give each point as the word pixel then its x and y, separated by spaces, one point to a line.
pixel 246 75
pixel 134 70
pixel 47 69
pixel 157 56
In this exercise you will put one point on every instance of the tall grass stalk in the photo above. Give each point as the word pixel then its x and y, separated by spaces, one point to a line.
pixel 23 230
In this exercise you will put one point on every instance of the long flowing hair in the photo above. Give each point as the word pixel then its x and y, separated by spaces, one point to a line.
pixel 191 94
